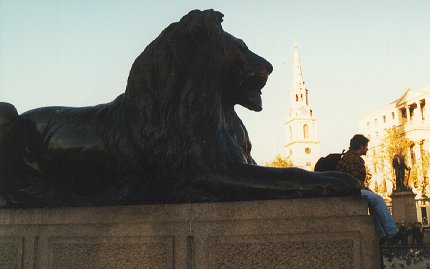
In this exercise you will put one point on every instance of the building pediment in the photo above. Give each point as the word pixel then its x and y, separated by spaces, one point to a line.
pixel 410 94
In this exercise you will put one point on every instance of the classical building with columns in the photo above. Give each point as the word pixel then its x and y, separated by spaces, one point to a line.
pixel 410 116
pixel 303 146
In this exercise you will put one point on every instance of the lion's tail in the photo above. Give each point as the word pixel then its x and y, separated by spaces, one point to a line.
pixel 8 113
pixel 19 166
pixel 8 117
pixel 16 138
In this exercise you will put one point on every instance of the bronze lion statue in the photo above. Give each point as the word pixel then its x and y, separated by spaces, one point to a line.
pixel 172 137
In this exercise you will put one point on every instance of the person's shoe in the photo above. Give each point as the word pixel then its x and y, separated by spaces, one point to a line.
pixel 395 239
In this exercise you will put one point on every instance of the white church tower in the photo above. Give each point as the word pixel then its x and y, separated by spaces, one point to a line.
pixel 303 146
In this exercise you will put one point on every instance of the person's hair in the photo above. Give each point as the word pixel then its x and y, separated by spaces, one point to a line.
pixel 357 141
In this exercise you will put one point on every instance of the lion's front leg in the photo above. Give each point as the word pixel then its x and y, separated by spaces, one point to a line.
pixel 251 182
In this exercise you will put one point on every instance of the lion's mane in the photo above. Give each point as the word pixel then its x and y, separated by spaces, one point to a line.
pixel 176 91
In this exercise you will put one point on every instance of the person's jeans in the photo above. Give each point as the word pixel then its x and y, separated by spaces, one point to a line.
pixel 384 222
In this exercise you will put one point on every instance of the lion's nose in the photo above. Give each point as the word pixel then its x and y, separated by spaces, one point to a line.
pixel 269 67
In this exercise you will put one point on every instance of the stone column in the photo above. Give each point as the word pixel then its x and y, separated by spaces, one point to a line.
pixel 408 114
pixel 420 113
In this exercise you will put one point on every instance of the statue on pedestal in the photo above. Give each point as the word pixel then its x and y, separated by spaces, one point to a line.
pixel 172 137
pixel 400 167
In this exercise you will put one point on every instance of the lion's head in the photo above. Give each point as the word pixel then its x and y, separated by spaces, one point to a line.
pixel 184 87
pixel 247 74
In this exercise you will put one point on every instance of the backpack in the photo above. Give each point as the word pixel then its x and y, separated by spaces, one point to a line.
pixel 328 163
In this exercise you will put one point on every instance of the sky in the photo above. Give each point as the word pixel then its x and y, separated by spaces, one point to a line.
pixel 356 55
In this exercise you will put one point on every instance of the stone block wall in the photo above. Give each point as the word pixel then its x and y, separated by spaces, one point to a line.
pixel 331 232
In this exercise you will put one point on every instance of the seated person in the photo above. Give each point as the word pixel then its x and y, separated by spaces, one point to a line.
pixel 352 163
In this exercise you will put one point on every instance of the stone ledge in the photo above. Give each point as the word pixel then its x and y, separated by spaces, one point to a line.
pixel 333 232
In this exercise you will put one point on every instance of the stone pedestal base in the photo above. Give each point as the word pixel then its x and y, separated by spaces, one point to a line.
pixel 300 233
pixel 404 206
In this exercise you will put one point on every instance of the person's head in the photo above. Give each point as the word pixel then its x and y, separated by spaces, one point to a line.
pixel 359 143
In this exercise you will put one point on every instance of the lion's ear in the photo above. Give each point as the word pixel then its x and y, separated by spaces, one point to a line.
pixel 204 25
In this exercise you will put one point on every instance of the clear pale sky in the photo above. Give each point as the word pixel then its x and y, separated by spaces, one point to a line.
pixel 356 55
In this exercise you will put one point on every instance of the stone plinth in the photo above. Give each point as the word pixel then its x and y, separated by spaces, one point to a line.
pixel 404 206
pixel 300 233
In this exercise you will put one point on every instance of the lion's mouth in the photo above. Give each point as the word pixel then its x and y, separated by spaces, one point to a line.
pixel 252 91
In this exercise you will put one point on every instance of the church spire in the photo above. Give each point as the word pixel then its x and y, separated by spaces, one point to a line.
pixel 298 76
pixel 299 92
